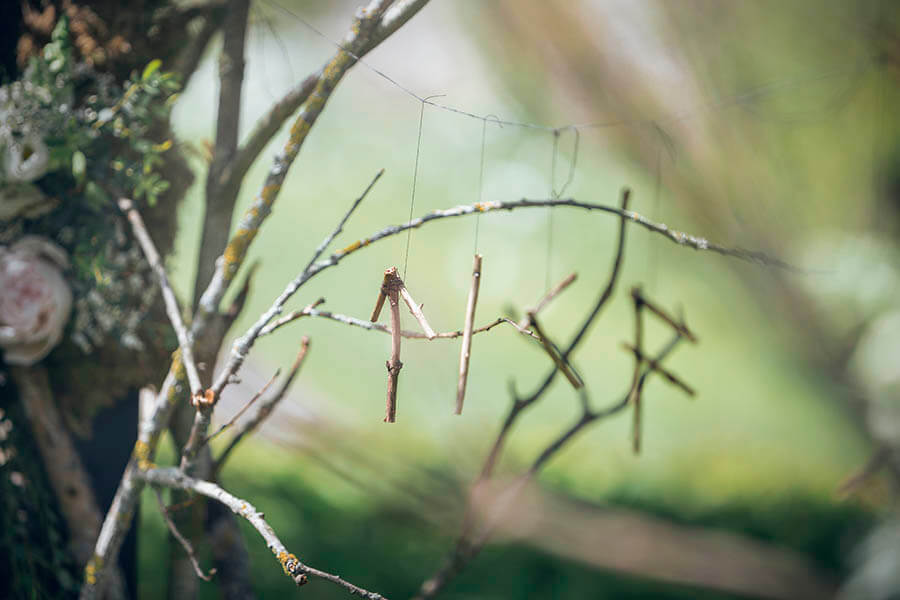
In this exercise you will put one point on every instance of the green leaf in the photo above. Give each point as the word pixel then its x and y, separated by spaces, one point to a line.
pixel 79 165
pixel 150 69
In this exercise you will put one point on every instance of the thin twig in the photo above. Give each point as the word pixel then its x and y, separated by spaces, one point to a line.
pixel 857 478
pixel 679 237
pixel 654 365
pixel 219 199
pixel 416 311
pixel 468 547
pixel 392 281
pixel 265 129
pixel 382 293
pixel 393 365
pixel 310 311
pixel 549 296
pixel 243 344
pixel 634 394
pixel 466 350
pixel 244 408
pixel 520 404
pixel 293 567
pixel 340 226
pixel 550 348
pixel 172 309
pixel 460 553
pixel 185 543
pixel 659 312
pixel 266 406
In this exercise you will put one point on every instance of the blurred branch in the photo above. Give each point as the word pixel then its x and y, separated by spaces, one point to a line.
pixel 553 293
pixel 468 545
pixel 520 404
pixel 266 406
pixel 189 550
pixel 118 517
pixel 552 351
pixel 656 548
pixel 188 60
pixel 220 199
pixel 270 123
pixel 293 567
pixel 68 478
pixel 879 459
pixel 243 409
pixel 464 548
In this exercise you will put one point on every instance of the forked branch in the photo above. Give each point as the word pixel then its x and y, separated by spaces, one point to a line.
pixel 293 567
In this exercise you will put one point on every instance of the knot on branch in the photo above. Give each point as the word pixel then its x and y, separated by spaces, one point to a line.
pixel 291 565
pixel 205 400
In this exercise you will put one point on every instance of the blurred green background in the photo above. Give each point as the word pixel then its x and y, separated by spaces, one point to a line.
pixel 761 125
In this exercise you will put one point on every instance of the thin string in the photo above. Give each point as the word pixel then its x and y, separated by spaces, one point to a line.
pixel 412 200
pixel 717 104
pixel 480 179
pixel 664 143
pixel 573 164
pixel 653 255
pixel 553 195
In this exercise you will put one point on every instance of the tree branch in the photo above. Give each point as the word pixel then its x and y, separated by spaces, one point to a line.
pixel 293 567
pixel 311 311
pixel 265 408
pixel 173 311
pixel 220 199
pixel 243 409
pixel 189 58
pixel 189 550
pixel 231 259
pixel 467 548
pixel 68 478
pixel 269 124
pixel 118 517
pixel 464 549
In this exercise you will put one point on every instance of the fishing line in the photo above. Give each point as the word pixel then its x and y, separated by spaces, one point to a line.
pixel 722 103
pixel 573 163
pixel 480 178
pixel 553 195
pixel 412 199
pixel 664 142
pixel 653 255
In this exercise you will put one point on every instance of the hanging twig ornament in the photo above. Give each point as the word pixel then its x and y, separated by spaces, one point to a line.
pixel 467 335
pixel 392 289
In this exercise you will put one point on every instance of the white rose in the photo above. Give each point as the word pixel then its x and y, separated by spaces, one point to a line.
pixel 34 299
pixel 26 159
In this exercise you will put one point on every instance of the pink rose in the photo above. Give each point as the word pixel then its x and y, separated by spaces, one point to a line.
pixel 34 299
